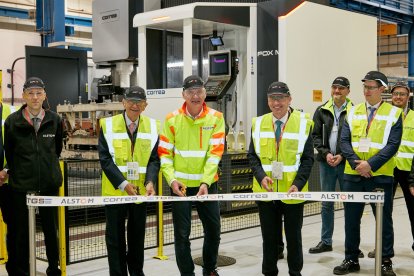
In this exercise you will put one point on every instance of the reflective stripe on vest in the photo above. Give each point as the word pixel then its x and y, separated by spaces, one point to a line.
pixel 294 137
pixel 188 176
pixel 120 146
pixel 110 136
pixel 379 132
pixel 405 152
pixel 301 137
pixel 6 111
pixel 390 119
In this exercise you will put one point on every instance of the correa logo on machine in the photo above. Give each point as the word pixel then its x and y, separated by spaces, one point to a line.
pixel 109 16
pixel 267 53
pixel 155 92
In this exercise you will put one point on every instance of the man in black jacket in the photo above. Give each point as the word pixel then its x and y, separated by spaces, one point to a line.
pixel 33 143
pixel 328 120
pixel 411 179
pixel 370 138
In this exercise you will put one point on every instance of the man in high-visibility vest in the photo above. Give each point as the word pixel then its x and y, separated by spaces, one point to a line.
pixel 400 95
pixel 328 120
pixel 5 111
pixel 369 140
pixel 5 203
pixel 128 144
pixel 281 156
pixel 191 147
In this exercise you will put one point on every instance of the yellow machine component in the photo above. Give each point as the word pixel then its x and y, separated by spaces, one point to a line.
pixel 3 248
pixel 62 232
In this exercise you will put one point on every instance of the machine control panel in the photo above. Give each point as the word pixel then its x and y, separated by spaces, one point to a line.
pixel 215 86
pixel 223 70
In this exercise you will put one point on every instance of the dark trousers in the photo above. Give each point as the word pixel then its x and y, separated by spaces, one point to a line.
pixel 353 214
pixel 18 236
pixel 5 202
pixel 401 177
pixel 120 259
pixel 209 213
pixel 271 214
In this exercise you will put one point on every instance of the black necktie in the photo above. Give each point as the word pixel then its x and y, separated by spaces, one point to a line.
pixel 36 123
pixel 278 130
pixel 371 114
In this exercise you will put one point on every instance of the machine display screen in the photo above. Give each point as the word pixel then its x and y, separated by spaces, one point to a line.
pixel 219 64
pixel 216 41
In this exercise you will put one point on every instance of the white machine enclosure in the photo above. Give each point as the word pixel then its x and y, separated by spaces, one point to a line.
pixel 110 36
pixel 316 43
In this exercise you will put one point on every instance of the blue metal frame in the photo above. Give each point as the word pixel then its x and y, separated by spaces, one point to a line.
pixel 50 20
pixel 411 55
pixel 78 21
pixel 388 10
pixel 14 12
pixel 24 14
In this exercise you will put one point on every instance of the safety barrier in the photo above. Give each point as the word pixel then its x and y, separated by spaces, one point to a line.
pixel 34 201
pixel 82 226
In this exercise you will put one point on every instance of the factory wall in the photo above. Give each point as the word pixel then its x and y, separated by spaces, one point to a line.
pixel 318 43
pixel 12 46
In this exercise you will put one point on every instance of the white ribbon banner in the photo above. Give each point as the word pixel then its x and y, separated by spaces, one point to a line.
pixel 374 197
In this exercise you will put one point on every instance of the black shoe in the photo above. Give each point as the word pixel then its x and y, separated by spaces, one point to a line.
pixel 371 254
pixel 210 273
pixel 321 247
pixel 280 256
pixel 346 267
pixel 55 271
pixel 361 254
pixel 386 268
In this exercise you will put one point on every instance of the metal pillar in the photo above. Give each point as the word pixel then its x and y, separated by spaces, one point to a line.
pixel 378 234
pixel 32 238
pixel 411 55
pixel 50 20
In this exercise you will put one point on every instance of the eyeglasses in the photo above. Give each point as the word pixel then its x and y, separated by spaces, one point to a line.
pixel 193 92
pixel 140 103
pixel 401 94
pixel 277 98
pixel 369 88
pixel 340 88
pixel 34 94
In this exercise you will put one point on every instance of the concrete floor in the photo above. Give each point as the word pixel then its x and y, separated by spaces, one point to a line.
pixel 245 246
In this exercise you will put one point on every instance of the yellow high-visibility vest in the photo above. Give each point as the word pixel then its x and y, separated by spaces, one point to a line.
pixel 119 145
pixel 191 149
pixel 6 111
pixel 379 132
pixel 293 140
pixel 405 152
pixel 329 106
